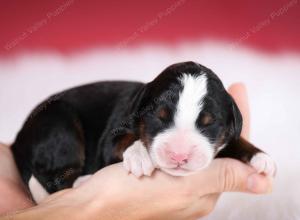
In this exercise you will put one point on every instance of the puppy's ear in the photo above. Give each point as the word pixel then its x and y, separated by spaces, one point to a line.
pixel 236 120
pixel 135 108
pixel 136 100
pixel 128 131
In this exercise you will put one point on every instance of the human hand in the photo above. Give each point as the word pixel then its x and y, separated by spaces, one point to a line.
pixel 112 194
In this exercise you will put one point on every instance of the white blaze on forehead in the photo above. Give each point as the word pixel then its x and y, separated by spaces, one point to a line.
pixel 190 100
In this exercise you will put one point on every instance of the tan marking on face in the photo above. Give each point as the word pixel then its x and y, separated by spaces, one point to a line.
pixel 206 119
pixel 221 139
pixel 163 113
pixel 143 136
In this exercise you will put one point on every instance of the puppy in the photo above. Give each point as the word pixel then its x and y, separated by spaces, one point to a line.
pixel 178 123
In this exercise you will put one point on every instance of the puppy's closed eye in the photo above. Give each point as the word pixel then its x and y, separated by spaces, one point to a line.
pixel 206 119
pixel 163 114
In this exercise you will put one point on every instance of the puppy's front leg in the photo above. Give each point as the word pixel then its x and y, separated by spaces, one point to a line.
pixel 244 151
pixel 137 161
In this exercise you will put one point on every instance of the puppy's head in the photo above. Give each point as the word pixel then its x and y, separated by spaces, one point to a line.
pixel 188 117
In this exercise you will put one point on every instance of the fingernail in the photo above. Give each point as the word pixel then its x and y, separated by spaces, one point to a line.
pixel 258 184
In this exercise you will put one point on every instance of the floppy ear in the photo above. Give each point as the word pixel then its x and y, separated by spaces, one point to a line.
pixel 129 131
pixel 137 107
pixel 136 101
pixel 236 120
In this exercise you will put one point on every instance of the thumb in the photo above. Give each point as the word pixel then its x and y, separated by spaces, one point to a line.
pixel 228 175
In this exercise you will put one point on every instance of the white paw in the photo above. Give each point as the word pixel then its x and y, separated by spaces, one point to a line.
pixel 136 160
pixel 38 192
pixel 263 163
pixel 80 180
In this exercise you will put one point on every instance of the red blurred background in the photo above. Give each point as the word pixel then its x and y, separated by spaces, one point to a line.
pixel 68 25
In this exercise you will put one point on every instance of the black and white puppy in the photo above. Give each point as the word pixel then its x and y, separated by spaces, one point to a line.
pixel 178 123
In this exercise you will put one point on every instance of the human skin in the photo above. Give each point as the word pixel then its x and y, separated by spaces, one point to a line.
pixel 112 193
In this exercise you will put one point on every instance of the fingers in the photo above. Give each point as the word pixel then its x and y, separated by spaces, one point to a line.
pixel 239 93
pixel 228 175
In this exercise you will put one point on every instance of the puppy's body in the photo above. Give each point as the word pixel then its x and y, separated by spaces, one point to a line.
pixel 73 131
pixel 178 123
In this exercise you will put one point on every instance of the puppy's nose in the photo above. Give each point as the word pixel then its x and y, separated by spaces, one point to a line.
pixel 179 158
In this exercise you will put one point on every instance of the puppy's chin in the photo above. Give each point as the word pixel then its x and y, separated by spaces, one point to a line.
pixel 177 171
pixel 182 171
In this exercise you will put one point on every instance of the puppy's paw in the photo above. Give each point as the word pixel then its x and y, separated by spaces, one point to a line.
pixel 263 163
pixel 136 160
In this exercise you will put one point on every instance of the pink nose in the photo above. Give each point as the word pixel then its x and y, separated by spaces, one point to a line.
pixel 179 158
